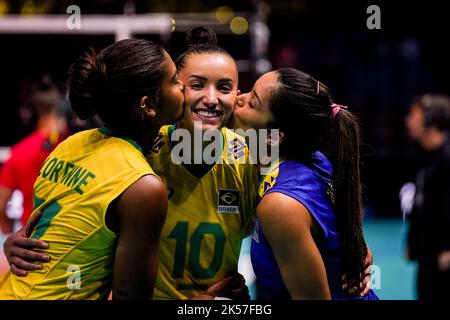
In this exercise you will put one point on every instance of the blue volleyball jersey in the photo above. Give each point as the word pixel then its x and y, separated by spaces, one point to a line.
pixel 311 186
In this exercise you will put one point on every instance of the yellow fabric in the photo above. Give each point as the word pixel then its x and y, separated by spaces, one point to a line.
pixel 76 184
pixel 199 245
pixel 268 181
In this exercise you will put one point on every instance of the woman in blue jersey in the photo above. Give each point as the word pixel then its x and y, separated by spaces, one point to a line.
pixel 309 215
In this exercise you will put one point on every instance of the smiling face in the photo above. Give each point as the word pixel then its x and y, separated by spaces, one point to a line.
pixel 210 81
pixel 252 109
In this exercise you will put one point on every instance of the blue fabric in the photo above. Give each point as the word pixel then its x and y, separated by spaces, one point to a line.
pixel 310 185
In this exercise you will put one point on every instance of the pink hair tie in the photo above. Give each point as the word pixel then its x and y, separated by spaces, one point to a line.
pixel 335 109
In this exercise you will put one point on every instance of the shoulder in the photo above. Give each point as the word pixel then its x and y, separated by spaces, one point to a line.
pixel 118 151
pixel 306 177
pixel 146 194
pixel 300 183
pixel 81 138
pixel 285 175
pixel 148 186
pixel 237 158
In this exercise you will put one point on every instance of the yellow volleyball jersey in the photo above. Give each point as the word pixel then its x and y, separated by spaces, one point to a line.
pixel 76 184
pixel 207 217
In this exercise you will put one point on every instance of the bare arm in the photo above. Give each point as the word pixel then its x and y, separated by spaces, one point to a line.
pixel 287 226
pixel 6 224
pixel 141 211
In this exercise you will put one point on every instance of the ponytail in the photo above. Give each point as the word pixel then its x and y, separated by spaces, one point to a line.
pixel 347 194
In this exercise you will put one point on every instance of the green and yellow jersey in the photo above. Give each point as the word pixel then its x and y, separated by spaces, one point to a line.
pixel 207 217
pixel 77 182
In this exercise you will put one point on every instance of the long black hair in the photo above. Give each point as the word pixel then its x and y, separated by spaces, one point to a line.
pixel 302 110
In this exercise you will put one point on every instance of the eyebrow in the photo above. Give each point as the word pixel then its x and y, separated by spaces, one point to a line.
pixel 206 79
pixel 257 97
pixel 197 77
pixel 226 80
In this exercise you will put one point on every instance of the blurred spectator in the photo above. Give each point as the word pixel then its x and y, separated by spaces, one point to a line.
pixel 21 169
pixel 428 123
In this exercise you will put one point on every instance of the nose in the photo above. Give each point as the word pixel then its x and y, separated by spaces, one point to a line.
pixel 210 99
pixel 240 100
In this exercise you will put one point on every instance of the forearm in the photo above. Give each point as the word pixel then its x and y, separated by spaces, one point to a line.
pixel 286 221
pixel 134 274
pixel 306 279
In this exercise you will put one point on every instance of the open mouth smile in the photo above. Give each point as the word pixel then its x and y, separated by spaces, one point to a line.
pixel 205 113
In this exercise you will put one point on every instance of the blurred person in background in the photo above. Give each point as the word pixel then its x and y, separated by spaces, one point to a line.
pixel 428 243
pixel 19 172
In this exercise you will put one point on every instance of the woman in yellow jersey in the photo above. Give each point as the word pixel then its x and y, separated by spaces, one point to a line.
pixel 102 206
pixel 210 205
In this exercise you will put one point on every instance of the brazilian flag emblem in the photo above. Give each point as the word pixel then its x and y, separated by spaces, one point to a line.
pixel 228 201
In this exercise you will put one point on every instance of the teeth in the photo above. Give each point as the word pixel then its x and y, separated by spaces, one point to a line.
pixel 207 113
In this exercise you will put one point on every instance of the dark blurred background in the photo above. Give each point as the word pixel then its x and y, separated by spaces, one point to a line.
pixel 375 72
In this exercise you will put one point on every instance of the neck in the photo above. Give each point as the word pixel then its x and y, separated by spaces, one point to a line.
pixel 433 139
pixel 47 124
